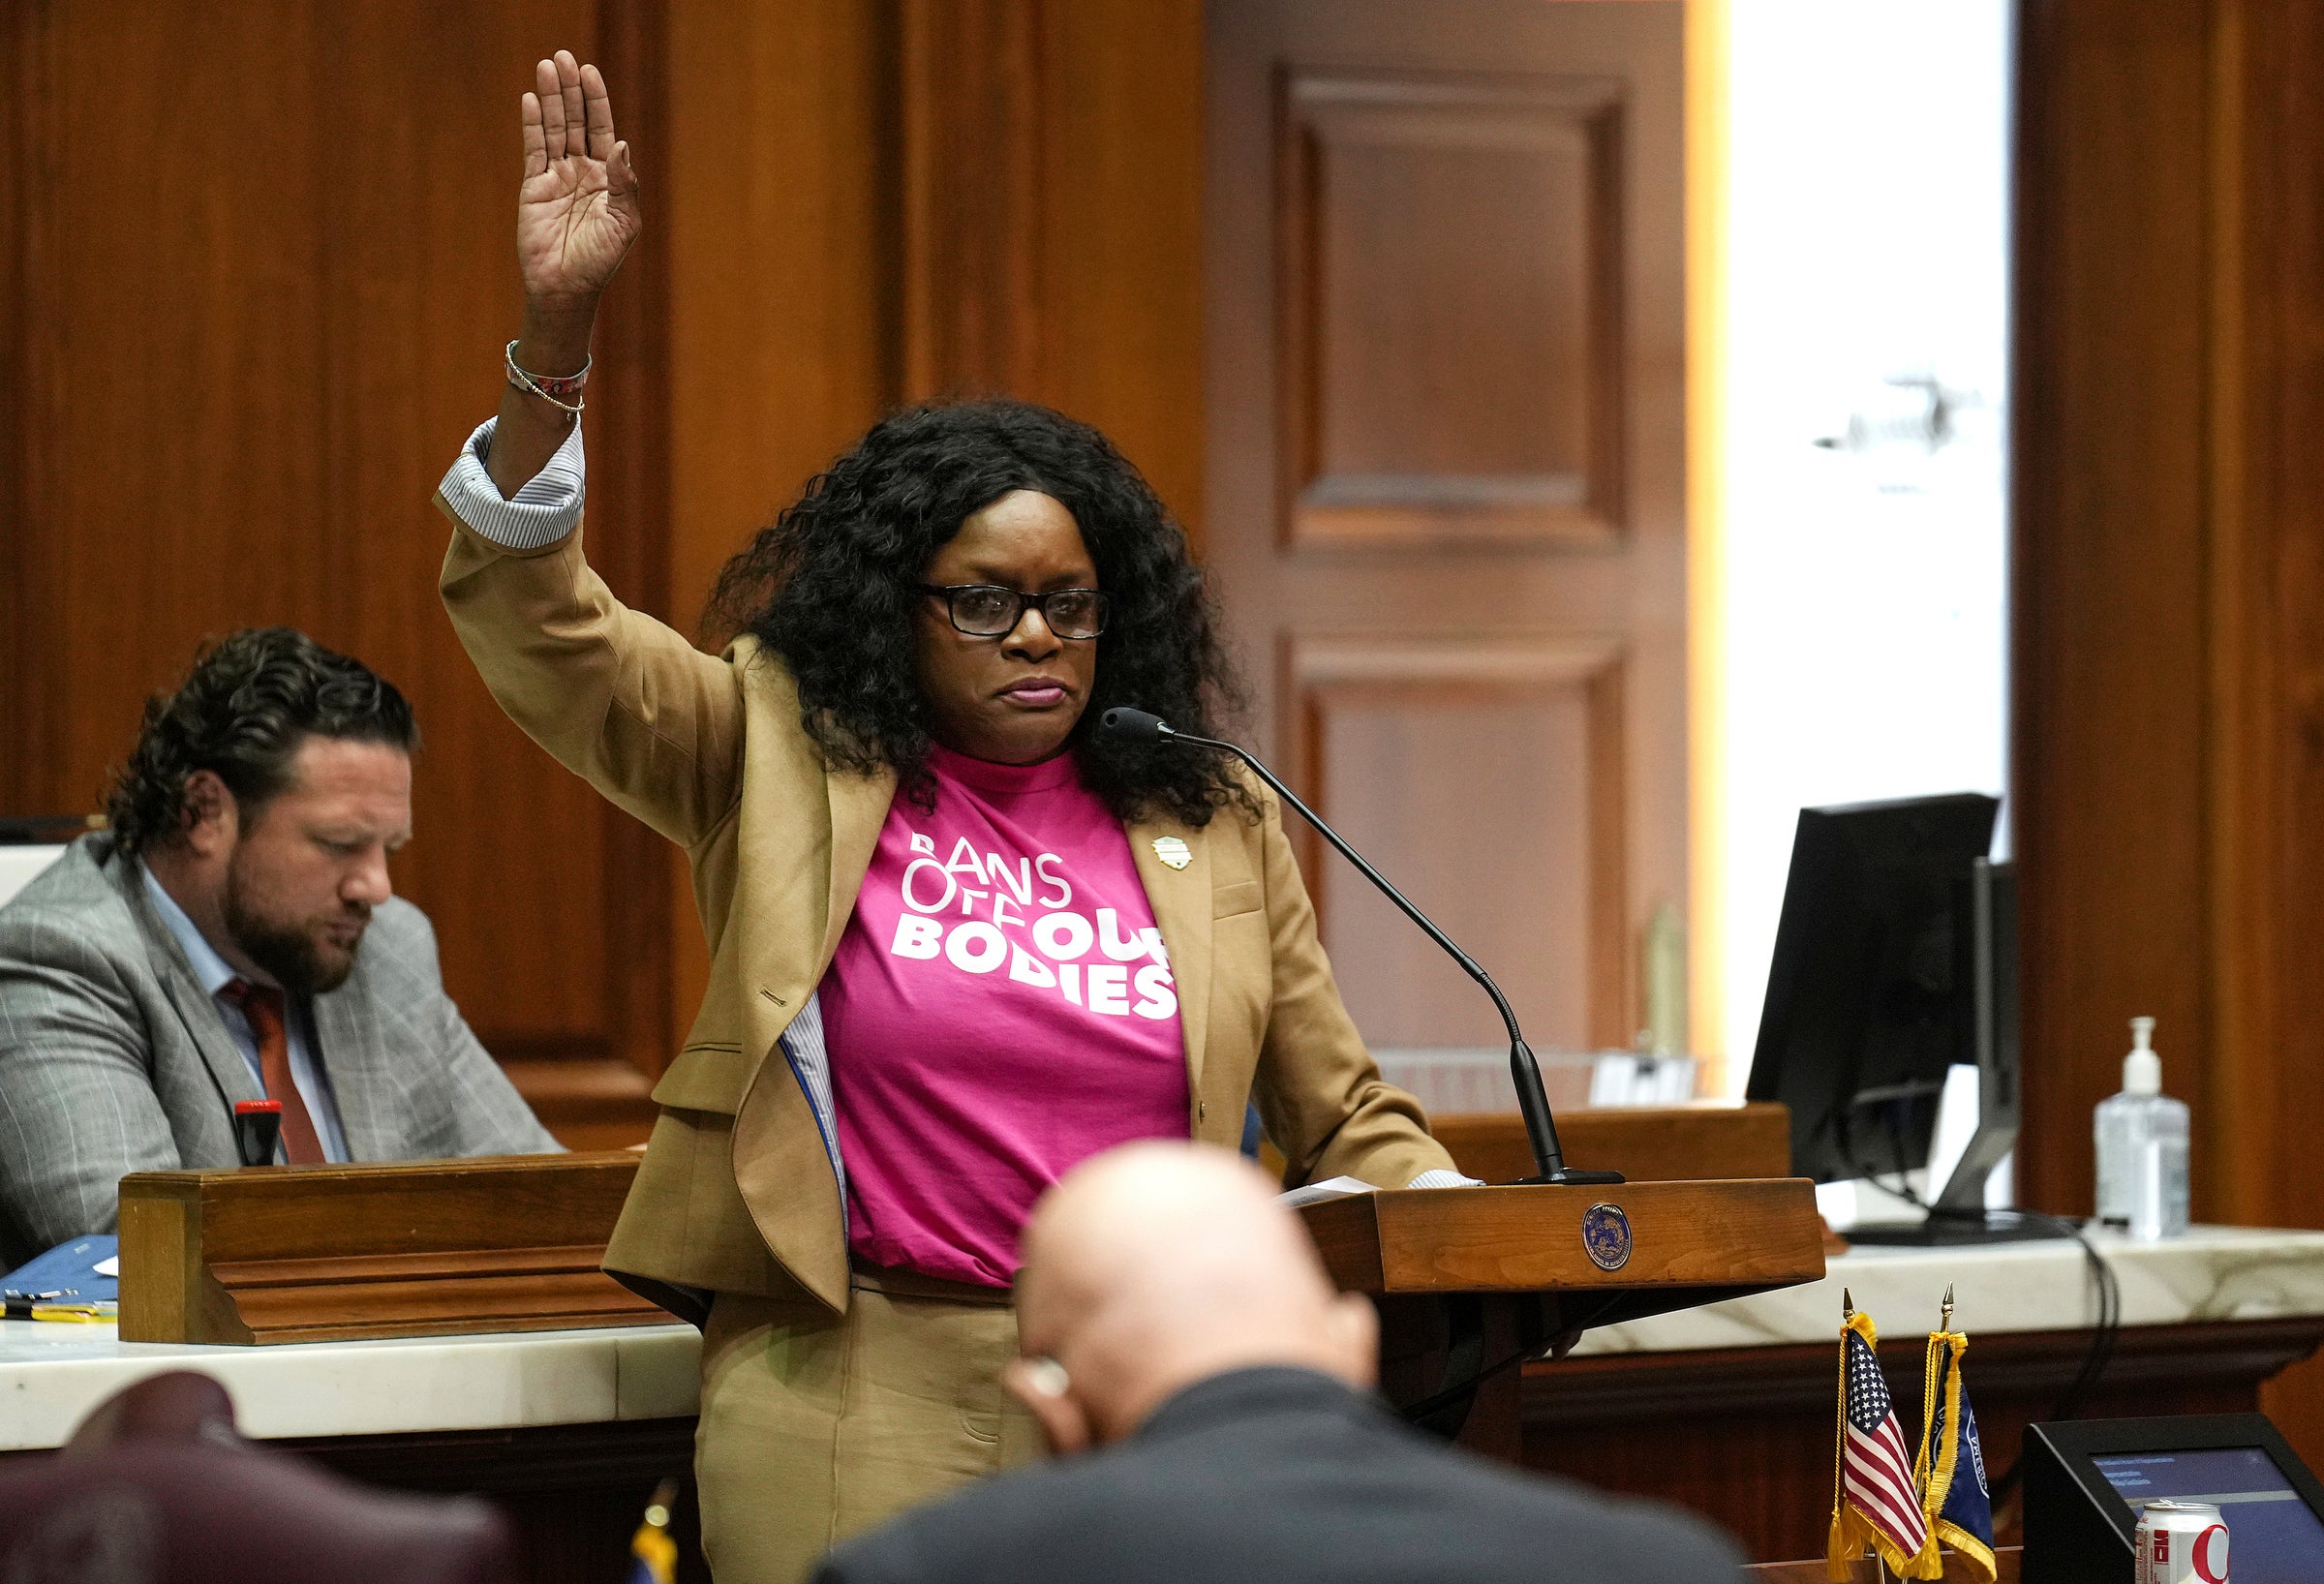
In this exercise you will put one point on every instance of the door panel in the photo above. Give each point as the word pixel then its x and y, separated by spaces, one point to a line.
pixel 1440 393
pixel 1445 476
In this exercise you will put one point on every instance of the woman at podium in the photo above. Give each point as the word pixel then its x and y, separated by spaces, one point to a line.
pixel 959 941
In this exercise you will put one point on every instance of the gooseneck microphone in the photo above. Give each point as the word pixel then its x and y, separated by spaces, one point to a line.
pixel 1525 1072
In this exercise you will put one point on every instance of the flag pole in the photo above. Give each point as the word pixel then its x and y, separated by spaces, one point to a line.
pixel 1848 1312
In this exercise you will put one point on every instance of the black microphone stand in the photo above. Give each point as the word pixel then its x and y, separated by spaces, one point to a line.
pixel 1525 1072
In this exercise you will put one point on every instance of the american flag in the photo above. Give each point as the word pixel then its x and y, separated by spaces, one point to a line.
pixel 1875 1469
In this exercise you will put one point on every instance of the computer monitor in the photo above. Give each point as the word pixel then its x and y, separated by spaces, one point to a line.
pixel 2086 1482
pixel 1894 960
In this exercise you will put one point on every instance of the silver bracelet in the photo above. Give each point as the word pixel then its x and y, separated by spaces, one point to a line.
pixel 551 388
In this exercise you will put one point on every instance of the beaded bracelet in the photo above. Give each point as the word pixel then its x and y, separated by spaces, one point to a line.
pixel 563 390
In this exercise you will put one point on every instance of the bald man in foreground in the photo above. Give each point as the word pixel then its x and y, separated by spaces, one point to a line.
pixel 1177 1329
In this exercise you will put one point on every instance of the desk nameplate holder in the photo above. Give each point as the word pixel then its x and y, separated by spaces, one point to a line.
pixel 335 1253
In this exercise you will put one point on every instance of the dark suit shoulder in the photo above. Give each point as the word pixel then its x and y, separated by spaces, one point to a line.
pixel 1327 1489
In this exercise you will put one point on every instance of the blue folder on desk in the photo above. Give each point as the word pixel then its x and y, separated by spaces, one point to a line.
pixel 70 1268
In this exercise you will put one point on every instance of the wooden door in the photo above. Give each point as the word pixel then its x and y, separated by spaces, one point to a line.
pixel 1444 381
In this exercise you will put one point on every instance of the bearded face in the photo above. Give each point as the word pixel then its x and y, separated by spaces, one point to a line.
pixel 308 867
pixel 309 947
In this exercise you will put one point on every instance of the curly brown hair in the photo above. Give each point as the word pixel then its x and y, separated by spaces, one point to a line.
pixel 248 703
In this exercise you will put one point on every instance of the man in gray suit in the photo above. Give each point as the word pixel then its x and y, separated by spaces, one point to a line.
pixel 233 936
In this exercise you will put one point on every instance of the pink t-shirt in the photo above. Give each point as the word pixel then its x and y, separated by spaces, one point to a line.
pixel 1000 1009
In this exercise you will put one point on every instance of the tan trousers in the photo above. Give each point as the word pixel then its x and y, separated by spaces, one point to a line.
pixel 811 1432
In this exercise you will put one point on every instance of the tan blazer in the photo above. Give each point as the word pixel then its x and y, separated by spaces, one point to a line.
pixel 737 1192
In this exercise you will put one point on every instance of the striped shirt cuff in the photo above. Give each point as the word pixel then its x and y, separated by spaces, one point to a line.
pixel 542 511
pixel 1440 1177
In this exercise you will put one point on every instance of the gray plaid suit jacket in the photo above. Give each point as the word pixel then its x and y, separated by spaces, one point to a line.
pixel 112 1060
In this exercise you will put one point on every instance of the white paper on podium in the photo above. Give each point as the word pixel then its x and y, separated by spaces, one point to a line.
pixel 1315 1193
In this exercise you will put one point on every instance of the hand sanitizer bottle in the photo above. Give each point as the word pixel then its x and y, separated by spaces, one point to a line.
pixel 2142 1147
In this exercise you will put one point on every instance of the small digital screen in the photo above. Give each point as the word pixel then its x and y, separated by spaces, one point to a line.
pixel 2271 1535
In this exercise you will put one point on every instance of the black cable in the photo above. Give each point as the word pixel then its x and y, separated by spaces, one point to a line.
pixel 2103 1334
pixel 2102 1337
pixel 1413 1413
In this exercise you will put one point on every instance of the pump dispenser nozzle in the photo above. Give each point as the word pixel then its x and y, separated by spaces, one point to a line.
pixel 2142 1068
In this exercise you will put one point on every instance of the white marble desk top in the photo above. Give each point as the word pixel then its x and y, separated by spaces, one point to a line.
pixel 52 1373
pixel 2212 1273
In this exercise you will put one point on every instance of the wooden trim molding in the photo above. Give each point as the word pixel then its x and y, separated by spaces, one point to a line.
pixel 332 1253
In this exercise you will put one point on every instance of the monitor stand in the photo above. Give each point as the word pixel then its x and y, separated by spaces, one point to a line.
pixel 1950 1230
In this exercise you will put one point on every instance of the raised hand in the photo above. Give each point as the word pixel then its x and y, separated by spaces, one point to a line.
pixel 576 213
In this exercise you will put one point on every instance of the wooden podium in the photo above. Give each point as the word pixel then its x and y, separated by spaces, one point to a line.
pixel 1470 1282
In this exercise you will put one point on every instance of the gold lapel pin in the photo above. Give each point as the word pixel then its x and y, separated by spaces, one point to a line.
pixel 1173 851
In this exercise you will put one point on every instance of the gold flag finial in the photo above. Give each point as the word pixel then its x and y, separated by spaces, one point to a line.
pixel 1946 1324
pixel 1848 1304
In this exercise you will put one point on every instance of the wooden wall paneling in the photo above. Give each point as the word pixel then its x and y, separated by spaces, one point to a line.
pixel 1445 384
pixel 27 641
pixel 1439 395
pixel 2267 668
pixel 780 301
pixel 245 358
pixel 1049 216
pixel 971 212
pixel 2169 617
pixel 630 487
pixel 1486 774
pixel 2108 607
pixel 237 414
pixel 420 291
pixel 170 311
pixel 1120 264
pixel 783 343
pixel 2268 604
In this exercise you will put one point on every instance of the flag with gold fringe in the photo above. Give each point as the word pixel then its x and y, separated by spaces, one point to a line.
pixel 1950 1469
pixel 1875 1500
pixel 653 1554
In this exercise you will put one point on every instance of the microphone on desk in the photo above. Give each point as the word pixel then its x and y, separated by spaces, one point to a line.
pixel 1540 1128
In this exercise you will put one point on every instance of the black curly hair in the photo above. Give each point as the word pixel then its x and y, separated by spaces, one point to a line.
pixel 828 588
pixel 248 703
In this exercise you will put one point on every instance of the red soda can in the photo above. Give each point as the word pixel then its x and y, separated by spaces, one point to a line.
pixel 2180 1543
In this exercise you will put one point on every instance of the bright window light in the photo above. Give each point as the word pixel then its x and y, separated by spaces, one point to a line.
pixel 1862 621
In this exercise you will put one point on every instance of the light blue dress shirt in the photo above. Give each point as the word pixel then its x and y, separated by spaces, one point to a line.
pixel 214 973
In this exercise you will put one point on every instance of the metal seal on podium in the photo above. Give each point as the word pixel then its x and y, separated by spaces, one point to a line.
pixel 1605 1235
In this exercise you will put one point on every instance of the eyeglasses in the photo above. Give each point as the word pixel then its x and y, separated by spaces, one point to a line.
pixel 987 610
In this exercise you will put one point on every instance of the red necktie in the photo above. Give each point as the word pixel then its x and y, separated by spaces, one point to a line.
pixel 262 1005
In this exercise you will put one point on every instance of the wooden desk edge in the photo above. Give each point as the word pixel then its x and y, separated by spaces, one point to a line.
pixel 1392 1240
